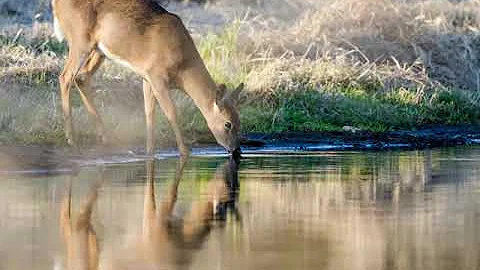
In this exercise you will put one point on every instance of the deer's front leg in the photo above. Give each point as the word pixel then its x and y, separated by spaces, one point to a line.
pixel 149 205
pixel 151 219
pixel 160 90
pixel 197 223
pixel 149 100
pixel 166 207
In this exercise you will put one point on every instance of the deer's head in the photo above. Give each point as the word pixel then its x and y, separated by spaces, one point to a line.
pixel 225 124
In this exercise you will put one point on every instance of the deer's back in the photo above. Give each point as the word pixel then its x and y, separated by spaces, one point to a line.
pixel 138 32
pixel 141 10
pixel 144 34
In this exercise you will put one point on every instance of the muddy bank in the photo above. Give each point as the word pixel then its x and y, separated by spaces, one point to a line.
pixel 47 160
pixel 36 160
pixel 428 137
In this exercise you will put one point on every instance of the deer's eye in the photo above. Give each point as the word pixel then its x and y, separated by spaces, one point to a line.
pixel 228 125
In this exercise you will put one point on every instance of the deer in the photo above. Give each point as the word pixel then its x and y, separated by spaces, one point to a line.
pixel 153 43
pixel 164 240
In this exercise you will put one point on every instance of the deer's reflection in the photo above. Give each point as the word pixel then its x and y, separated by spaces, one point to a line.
pixel 165 241
pixel 79 237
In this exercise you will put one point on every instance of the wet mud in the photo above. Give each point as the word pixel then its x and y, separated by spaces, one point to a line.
pixel 428 137
pixel 48 160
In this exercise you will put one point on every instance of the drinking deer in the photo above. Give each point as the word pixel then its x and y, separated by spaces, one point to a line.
pixel 165 242
pixel 155 44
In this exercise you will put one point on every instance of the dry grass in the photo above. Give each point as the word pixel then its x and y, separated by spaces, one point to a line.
pixel 308 65
pixel 423 45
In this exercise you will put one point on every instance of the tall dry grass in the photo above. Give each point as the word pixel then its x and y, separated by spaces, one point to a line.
pixel 309 65
pixel 414 45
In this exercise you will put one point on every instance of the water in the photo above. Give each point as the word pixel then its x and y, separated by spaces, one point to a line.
pixel 326 210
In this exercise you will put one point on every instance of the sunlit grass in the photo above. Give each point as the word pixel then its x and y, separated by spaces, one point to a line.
pixel 225 61
pixel 374 65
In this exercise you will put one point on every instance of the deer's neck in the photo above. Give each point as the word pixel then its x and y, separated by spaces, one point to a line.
pixel 199 85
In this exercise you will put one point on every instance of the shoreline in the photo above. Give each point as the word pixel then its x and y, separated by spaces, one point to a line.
pixel 313 82
pixel 46 160
pixel 422 138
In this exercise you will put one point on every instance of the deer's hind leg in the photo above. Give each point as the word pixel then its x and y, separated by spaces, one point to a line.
pixel 80 239
pixel 86 233
pixel 83 82
pixel 65 80
pixel 77 57
pixel 65 217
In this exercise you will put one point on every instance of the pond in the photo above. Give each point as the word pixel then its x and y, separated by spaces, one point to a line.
pixel 316 210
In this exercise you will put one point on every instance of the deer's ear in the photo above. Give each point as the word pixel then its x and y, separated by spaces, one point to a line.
pixel 241 100
pixel 220 93
pixel 236 94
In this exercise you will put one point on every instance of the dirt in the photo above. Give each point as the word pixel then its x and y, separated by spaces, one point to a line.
pixel 428 137
pixel 48 160
pixel 35 160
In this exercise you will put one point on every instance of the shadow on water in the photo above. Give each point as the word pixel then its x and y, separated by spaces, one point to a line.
pixel 165 241
pixel 331 210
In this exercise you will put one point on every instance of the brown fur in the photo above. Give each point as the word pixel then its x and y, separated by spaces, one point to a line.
pixel 156 45
pixel 162 242
pixel 79 238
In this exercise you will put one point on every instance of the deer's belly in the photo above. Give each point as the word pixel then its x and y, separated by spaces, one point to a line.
pixel 117 59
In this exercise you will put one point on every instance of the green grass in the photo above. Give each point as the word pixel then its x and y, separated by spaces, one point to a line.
pixel 34 120
pixel 288 88
pixel 332 109
pixel 224 59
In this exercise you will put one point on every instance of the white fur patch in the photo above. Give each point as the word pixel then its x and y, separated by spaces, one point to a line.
pixel 216 109
pixel 114 57
pixel 58 30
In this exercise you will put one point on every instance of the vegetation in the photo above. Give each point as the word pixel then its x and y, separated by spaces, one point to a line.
pixel 372 64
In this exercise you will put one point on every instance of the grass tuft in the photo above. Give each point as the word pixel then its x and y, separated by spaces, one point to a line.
pixel 372 64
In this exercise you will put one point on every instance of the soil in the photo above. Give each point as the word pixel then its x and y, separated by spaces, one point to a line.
pixel 47 160
pixel 427 137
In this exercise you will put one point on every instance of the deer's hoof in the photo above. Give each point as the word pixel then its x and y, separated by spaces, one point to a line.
pixel 102 139
pixel 70 142
pixel 184 152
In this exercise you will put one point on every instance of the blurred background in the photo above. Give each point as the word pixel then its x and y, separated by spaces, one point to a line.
pixel 375 65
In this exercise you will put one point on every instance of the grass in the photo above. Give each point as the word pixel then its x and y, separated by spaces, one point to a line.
pixel 371 64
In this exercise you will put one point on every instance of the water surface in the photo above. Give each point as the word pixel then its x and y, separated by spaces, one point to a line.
pixel 325 210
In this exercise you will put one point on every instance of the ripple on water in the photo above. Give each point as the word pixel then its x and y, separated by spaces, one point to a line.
pixel 296 209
